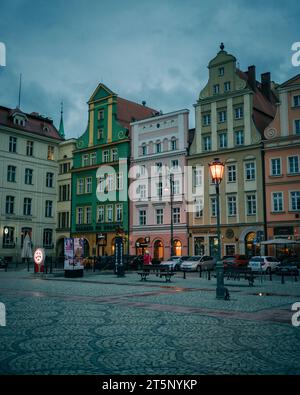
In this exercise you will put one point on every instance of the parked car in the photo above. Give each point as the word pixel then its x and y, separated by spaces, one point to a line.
pixel 263 263
pixel 288 268
pixel 174 262
pixel 235 261
pixel 194 263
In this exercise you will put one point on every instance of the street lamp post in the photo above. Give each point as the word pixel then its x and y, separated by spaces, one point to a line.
pixel 216 170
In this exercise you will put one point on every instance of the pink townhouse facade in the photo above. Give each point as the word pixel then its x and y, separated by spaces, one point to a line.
pixel 282 168
pixel 158 157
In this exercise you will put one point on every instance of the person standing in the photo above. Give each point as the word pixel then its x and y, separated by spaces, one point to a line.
pixel 147 258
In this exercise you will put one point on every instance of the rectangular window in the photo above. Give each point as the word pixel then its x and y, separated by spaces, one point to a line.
pixel 250 171
pixel 207 143
pixel 85 160
pixel 226 86
pixel 199 208
pixel 277 201
pixel 93 158
pixel 105 156
pixel 79 215
pixel 50 154
pixel 295 200
pixel 206 119
pixel 239 112
pixel 114 154
pixel 158 167
pixel 296 100
pixel 176 215
pixel 159 189
pixel 88 185
pixel 110 182
pixel 297 126
pixel 47 238
pixel 142 191
pixel 213 207
pixel 80 186
pixel 100 217
pixel 222 116
pixel 231 202
pixel 159 216
pixel 221 71
pixel 9 204
pixel 158 148
pixel 12 144
pixel 48 208
pixel 29 148
pixel 239 137
pixel 293 164
pixel 9 238
pixel 216 89
pixel 144 150
pixel 88 215
pixel 198 177
pixel 251 204
pixel 100 115
pixel 65 168
pixel 119 212
pixel 100 134
pixel 109 213
pixel 27 206
pixel 142 217
pixel 173 145
pixel 275 167
pixel 64 193
pixel 176 187
pixel 174 164
pixel 28 176
pixel 231 173
pixel 11 173
pixel 143 170
pixel 120 182
pixel 49 180
pixel 222 140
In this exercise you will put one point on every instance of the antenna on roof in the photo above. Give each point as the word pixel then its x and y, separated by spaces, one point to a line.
pixel 20 88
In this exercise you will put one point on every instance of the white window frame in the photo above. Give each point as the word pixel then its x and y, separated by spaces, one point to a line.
pixel 88 185
pixel 100 214
pixel 222 116
pixel 231 172
pixel 105 156
pixel 255 200
pixel 271 167
pixel 288 164
pixel 232 204
pixel 109 209
pixel 119 209
pixel 239 112
pixel 237 142
pixel 159 216
pixel 80 186
pixel 79 215
pixel 206 147
pixel 290 201
pixel 245 169
pixel 273 201
pixel 85 160
pixel 295 126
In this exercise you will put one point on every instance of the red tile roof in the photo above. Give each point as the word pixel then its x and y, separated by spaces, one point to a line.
pixel 128 111
pixel 35 123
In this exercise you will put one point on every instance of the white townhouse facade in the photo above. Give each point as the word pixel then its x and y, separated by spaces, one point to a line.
pixel 28 182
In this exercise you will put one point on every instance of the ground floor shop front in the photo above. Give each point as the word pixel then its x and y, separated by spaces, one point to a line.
pixel 243 240
pixel 159 244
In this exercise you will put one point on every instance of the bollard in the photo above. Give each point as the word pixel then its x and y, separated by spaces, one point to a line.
pixel 209 274
pixel 51 267
pixel 282 277
pixel 94 267
pixel 184 274
pixel 270 275
pixel 200 271
pixel 296 277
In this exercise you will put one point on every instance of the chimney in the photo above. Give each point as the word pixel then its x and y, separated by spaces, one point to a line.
pixel 144 103
pixel 266 85
pixel 252 77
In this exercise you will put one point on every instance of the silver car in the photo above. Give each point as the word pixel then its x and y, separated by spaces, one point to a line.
pixel 174 262
pixel 194 263
pixel 263 264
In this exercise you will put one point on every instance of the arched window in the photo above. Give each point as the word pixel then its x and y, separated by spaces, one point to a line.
pixel 158 250
pixel 173 144
pixel 177 247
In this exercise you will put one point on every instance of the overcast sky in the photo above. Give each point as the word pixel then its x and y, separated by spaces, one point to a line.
pixel 155 50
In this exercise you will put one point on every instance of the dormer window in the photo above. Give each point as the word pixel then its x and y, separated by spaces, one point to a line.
pixel 19 119
pixel 221 71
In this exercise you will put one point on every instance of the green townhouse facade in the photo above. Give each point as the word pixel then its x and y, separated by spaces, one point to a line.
pixel 100 207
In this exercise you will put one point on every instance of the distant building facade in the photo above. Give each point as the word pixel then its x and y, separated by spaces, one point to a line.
pixel 28 183
pixel 231 114
pixel 158 149
pixel 100 205
pixel 282 161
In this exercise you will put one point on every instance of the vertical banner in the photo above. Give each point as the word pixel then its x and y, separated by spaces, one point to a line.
pixel 119 246
pixel 78 253
pixel 69 253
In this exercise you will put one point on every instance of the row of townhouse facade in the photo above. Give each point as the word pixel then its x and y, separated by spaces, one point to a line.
pixel 138 172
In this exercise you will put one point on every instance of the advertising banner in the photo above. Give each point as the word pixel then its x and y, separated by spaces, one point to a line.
pixel 73 253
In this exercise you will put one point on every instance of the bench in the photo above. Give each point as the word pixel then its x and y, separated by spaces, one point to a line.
pixel 157 270
pixel 236 273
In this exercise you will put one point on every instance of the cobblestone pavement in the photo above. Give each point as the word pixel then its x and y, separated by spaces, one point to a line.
pixel 101 324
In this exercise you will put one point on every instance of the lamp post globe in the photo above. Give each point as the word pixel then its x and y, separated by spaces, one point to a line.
pixel 216 168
